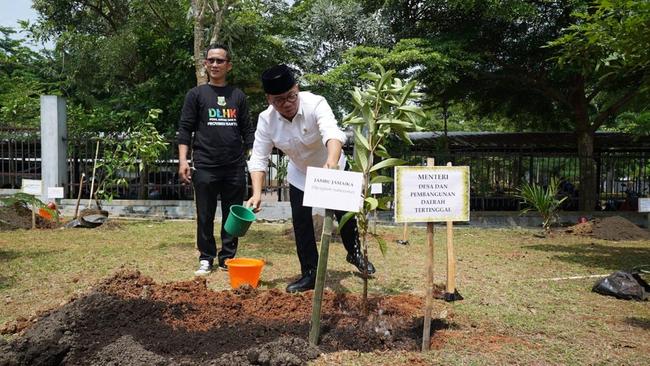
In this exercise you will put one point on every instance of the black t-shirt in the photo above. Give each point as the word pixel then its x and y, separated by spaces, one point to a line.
pixel 219 118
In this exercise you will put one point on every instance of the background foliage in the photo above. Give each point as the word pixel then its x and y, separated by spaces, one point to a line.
pixel 516 65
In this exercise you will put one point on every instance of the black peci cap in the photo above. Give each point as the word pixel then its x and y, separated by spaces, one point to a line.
pixel 278 79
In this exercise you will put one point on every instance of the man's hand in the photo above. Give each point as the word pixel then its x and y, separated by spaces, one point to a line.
pixel 333 154
pixel 184 172
pixel 255 202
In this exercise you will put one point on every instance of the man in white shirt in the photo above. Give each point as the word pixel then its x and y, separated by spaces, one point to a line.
pixel 303 126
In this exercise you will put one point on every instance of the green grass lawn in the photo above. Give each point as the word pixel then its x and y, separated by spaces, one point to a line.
pixel 513 311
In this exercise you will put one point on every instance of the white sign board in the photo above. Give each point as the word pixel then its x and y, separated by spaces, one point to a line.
pixel 644 204
pixel 54 192
pixel 32 186
pixel 333 189
pixel 431 193
pixel 375 188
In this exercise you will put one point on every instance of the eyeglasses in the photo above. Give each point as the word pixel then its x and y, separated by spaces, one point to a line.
pixel 218 61
pixel 278 101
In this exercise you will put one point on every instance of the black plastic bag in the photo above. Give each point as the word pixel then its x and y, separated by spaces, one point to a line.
pixel 623 285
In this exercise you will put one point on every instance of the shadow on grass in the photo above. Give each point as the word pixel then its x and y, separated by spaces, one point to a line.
pixel 642 323
pixel 6 282
pixel 597 255
pixel 176 245
pixel 7 255
pixel 333 281
pixel 266 241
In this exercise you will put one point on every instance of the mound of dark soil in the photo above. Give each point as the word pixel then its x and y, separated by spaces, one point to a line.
pixel 17 216
pixel 130 320
pixel 611 228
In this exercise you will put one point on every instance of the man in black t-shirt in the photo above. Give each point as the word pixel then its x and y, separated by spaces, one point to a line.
pixel 217 114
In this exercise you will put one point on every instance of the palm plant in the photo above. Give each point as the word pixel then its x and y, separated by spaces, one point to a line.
pixel 543 200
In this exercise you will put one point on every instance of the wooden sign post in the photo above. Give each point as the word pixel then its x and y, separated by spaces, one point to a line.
pixel 405 235
pixel 433 194
pixel 321 272
pixel 426 331
pixel 330 189
pixel 452 293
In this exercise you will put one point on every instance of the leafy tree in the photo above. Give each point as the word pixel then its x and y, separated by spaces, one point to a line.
pixel 121 58
pixel 118 56
pixel 607 55
pixel 551 65
pixel 137 151
pixel 328 28
pixel 634 123
pixel 23 79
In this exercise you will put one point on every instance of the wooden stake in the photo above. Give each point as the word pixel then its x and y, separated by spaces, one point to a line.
pixel 405 233
pixel 81 185
pixel 92 184
pixel 451 258
pixel 321 273
pixel 426 332
pixel 33 216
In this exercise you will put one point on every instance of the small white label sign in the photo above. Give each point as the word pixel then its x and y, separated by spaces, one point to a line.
pixel 375 188
pixel 32 186
pixel 54 192
pixel 333 189
pixel 644 204
pixel 431 193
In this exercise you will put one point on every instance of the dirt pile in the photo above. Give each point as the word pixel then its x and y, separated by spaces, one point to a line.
pixel 129 319
pixel 17 216
pixel 610 228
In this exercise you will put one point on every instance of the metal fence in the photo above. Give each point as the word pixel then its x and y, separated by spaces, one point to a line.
pixel 20 159
pixel 495 176
pixel 162 181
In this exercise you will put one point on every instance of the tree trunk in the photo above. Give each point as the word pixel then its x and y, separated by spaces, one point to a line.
pixel 144 182
pixel 217 16
pixel 198 11
pixel 585 132
pixel 587 190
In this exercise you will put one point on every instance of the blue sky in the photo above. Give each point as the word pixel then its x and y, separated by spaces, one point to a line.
pixel 13 10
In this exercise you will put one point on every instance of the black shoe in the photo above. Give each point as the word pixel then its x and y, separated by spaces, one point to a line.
pixel 304 283
pixel 222 265
pixel 357 260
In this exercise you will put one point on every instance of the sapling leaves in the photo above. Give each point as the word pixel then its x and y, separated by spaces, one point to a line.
pixel 381 179
pixel 380 111
pixel 387 164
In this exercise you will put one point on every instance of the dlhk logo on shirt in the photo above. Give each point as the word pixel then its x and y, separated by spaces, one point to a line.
pixel 222 113
pixel 222 117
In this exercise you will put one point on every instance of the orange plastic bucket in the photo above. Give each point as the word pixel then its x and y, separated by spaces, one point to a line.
pixel 244 271
pixel 44 214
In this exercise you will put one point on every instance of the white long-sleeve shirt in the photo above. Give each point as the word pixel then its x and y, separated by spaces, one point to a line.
pixel 302 139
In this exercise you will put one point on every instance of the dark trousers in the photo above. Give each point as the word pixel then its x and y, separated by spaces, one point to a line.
pixel 230 185
pixel 303 229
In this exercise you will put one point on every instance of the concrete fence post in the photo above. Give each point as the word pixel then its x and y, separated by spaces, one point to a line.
pixel 54 141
